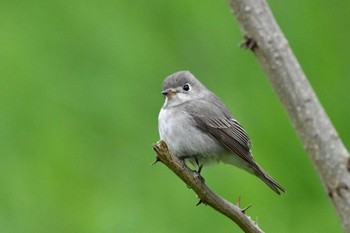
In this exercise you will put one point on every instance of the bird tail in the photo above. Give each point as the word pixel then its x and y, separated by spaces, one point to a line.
pixel 269 181
pixel 255 169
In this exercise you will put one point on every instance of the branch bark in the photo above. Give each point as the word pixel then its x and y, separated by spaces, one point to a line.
pixel 206 195
pixel 320 139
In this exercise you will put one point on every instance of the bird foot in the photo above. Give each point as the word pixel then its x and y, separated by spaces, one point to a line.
pixel 199 176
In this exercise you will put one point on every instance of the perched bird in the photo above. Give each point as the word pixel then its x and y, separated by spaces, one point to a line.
pixel 199 128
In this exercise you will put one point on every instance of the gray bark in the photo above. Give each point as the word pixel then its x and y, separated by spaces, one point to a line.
pixel 319 137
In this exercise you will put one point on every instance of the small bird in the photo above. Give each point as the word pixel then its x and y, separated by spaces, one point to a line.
pixel 199 128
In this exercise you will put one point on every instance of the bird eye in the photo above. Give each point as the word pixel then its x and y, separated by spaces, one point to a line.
pixel 186 87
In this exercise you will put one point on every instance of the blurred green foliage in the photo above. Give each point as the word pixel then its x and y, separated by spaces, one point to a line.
pixel 80 86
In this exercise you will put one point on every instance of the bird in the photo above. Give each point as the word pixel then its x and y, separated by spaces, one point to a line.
pixel 197 127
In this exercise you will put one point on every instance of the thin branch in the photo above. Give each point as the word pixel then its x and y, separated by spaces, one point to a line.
pixel 206 195
pixel 326 150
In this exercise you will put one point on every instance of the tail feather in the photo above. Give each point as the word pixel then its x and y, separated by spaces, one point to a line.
pixel 255 169
pixel 267 179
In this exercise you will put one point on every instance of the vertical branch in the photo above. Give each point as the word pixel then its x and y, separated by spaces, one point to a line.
pixel 325 149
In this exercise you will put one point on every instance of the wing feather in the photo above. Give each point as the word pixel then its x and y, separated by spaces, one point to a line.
pixel 213 117
pixel 232 136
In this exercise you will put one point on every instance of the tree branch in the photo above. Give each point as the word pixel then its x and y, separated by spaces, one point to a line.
pixel 206 195
pixel 326 150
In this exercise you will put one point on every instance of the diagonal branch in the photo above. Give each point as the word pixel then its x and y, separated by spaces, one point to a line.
pixel 325 148
pixel 206 195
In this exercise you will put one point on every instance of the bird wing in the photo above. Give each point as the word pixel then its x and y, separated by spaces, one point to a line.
pixel 215 119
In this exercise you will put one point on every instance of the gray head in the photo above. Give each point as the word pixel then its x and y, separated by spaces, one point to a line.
pixel 182 87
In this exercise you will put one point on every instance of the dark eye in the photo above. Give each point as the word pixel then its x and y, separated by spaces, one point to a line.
pixel 186 87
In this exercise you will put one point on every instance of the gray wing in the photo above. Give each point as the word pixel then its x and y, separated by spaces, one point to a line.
pixel 215 119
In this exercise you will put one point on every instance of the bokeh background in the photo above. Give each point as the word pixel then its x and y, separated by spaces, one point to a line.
pixel 80 86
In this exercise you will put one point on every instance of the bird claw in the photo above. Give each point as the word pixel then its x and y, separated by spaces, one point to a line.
pixel 199 176
pixel 200 166
pixel 199 169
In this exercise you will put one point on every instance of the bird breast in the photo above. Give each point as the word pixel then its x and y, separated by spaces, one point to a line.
pixel 184 139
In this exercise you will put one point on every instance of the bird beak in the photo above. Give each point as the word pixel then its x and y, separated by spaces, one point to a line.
pixel 169 92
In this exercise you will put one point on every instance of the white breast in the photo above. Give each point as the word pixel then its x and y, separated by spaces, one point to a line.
pixel 178 130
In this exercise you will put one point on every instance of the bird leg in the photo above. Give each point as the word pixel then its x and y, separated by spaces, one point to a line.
pixel 200 166
pixel 198 172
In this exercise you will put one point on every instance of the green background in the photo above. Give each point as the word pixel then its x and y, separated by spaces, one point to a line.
pixel 80 86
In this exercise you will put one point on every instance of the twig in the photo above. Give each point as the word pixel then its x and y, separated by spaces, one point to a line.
pixel 206 195
pixel 315 129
